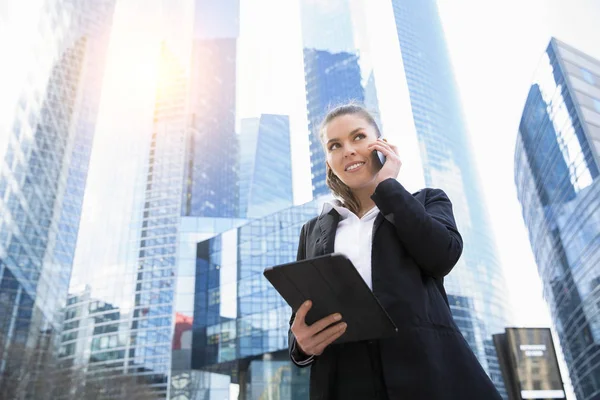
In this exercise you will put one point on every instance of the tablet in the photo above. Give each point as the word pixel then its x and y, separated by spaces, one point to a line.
pixel 333 285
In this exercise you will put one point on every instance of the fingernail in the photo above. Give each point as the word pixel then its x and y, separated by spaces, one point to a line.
pixel 344 325
pixel 307 303
pixel 337 317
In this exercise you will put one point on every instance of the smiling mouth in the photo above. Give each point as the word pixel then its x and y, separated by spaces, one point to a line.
pixel 354 166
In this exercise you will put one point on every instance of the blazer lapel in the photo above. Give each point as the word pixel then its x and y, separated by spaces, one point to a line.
pixel 378 220
pixel 327 225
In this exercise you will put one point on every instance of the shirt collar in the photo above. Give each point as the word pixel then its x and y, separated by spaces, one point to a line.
pixel 344 213
pixel 336 205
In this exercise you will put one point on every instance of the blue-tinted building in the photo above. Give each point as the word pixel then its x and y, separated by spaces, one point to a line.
pixel 448 163
pixel 150 329
pixel 331 79
pixel 556 173
pixel 335 72
pixel 184 190
pixel 211 184
pixel 240 322
pixel 265 165
pixel 44 169
pixel 102 321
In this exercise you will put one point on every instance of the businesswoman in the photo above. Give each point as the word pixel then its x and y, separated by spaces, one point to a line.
pixel 402 245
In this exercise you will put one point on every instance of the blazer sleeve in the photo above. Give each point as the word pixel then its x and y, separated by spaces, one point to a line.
pixel 296 355
pixel 427 231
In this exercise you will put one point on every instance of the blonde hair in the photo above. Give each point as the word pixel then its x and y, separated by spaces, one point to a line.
pixel 339 188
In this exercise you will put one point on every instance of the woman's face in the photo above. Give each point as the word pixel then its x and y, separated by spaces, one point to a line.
pixel 346 139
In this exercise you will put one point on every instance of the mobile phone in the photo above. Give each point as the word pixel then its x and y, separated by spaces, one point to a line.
pixel 381 157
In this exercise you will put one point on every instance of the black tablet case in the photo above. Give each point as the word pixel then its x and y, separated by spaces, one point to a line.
pixel 333 285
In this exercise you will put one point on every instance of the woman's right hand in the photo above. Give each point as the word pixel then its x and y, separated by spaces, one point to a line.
pixel 313 339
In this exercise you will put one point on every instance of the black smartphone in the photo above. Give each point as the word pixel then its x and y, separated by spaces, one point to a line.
pixel 381 157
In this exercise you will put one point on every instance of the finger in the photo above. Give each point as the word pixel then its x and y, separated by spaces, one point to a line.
pixel 387 151
pixel 317 343
pixel 329 336
pixel 393 147
pixel 390 147
pixel 380 142
pixel 324 323
pixel 385 143
pixel 301 313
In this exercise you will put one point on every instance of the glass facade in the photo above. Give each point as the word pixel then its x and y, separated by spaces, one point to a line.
pixel 131 304
pixel 44 169
pixel 150 331
pixel 448 163
pixel 101 320
pixel 129 329
pixel 211 185
pixel 556 174
pixel 265 165
pixel 337 70
pixel 240 322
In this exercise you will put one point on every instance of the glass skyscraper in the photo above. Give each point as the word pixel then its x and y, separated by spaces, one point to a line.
pixel 336 72
pixel 211 185
pixel 132 304
pixel 448 163
pixel 44 168
pixel 265 165
pixel 556 173
pixel 240 322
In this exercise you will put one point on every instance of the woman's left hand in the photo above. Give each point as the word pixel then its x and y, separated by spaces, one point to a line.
pixel 391 167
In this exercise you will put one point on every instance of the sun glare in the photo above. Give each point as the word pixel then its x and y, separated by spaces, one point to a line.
pixel 132 66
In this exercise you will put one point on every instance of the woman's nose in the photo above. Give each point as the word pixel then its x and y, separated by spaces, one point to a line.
pixel 349 151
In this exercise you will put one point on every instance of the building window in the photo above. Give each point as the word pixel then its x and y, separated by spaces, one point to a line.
pixel 588 76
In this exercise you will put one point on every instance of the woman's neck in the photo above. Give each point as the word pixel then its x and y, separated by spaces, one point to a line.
pixel 363 195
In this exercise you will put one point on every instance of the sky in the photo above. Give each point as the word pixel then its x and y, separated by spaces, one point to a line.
pixel 494 47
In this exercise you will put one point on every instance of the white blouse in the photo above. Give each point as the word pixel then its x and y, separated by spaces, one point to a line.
pixel 354 237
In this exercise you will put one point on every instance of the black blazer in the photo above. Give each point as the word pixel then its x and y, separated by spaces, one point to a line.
pixel 415 244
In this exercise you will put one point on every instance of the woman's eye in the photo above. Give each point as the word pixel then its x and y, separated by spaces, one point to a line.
pixel 360 136
pixel 334 146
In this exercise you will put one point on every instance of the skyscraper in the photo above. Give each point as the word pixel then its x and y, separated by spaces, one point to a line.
pixel 340 66
pixel 265 165
pixel 336 72
pixel 448 163
pixel 150 328
pixel 43 173
pixel 184 189
pixel 241 323
pixel 556 173
pixel 212 155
